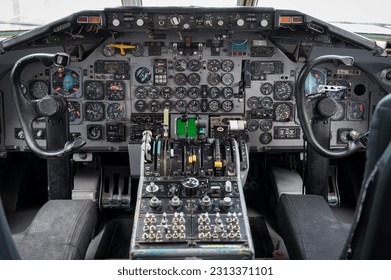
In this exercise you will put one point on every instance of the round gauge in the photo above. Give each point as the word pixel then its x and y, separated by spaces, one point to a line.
pixel 194 106
pixel 339 115
pixel 140 92
pixel 283 112
pixel 356 111
pixel 154 106
pixel 227 79
pixel 108 50
pixel 94 132
pixel 39 89
pixel 252 125
pixel 227 106
pixel 143 75
pixel 314 79
pixel 166 92
pixel 180 92
pixel 138 50
pixel 180 106
pixel 343 135
pixel 167 104
pixel 115 90
pixel 227 65
pixel 180 65
pixel 116 111
pixel 283 90
pixel 153 92
pixel 253 102
pixel 265 138
pixel 194 65
pixel 228 92
pixel 213 65
pixel 194 79
pixel 266 88
pixel 213 79
pixel 266 125
pixel 94 111
pixel 66 82
pixel 214 93
pixel 180 79
pixel 214 105
pixel 74 112
pixel 194 92
pixel 140 105
pixel 94 90
pixel 267 102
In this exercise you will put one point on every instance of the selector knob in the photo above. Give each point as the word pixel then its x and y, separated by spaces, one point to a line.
pixel 220 23
pixel 206 202
pixel 175 21
pixel 227 202
pixel 190 186
pixel 175 202
pixel 152 188
pixel 154 202
pixel 140 22
pixel 264 23
pixel 240 22
pixel 116 22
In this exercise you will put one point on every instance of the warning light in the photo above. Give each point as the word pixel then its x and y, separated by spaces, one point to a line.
pixel 285 19
pixel 94 19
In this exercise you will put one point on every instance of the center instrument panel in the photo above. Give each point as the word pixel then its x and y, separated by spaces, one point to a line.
pixel 210 63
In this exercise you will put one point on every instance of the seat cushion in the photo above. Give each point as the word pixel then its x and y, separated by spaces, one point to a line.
pixel 309 228
pixel 61 230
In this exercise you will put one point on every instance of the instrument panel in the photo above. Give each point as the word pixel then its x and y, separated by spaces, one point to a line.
pixel 207 64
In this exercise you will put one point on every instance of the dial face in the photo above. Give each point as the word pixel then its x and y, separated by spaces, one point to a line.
pixel 143 75
pixel 180 106
pixel 180 92
pixel 253 102
pixel 228 92
pixel 283 90
pixel 267 88
pixel 339 115
pixel 94 90
pixel 140 92
pixel 356 111
pixel 94 132
pixel 194 106
pixel 66 82
pixel 283 112
pixel 115 90
pixel 213 65
pixel 166 92
pixel 267 102
pixel 227 79
pixel 194 65
pixel 39 89
pixel 194 92
pixel 227 106
pixel 227 65
pixel 138 50
pixel 180 79
pixel 154 106
pixel 74 112
pixel 180 65
pixel 214 105
pixel 194 79
pixel 153 92
pixel 314 79
pixel 252 125
pixel 108 50
pixel 95 111
pixel 265 138
pixel 343 135
pixel 140 105
pixel 167 104
pixel 214 93
pixel 213 79
pixel 266 125
pixel 116 111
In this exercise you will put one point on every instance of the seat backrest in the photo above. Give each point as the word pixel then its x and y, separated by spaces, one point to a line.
pixel 370 236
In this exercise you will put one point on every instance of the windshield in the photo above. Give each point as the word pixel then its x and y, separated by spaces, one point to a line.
pixel 26 14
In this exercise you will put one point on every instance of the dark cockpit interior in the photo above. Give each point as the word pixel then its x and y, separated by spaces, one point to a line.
pixel 194 133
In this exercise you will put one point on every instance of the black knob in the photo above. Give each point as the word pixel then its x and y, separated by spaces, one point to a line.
pixel 190 186
pixel 327 107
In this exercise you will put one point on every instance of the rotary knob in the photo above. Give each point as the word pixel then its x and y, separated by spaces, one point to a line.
pixel 140 22
pixel 240 22
pixel 190 186
pixel 154 202
pixel 175 202
pixel 116 22
pixel 206 202
pixel 227 202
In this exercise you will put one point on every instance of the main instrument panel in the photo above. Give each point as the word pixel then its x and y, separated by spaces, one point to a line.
pixel 214 63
